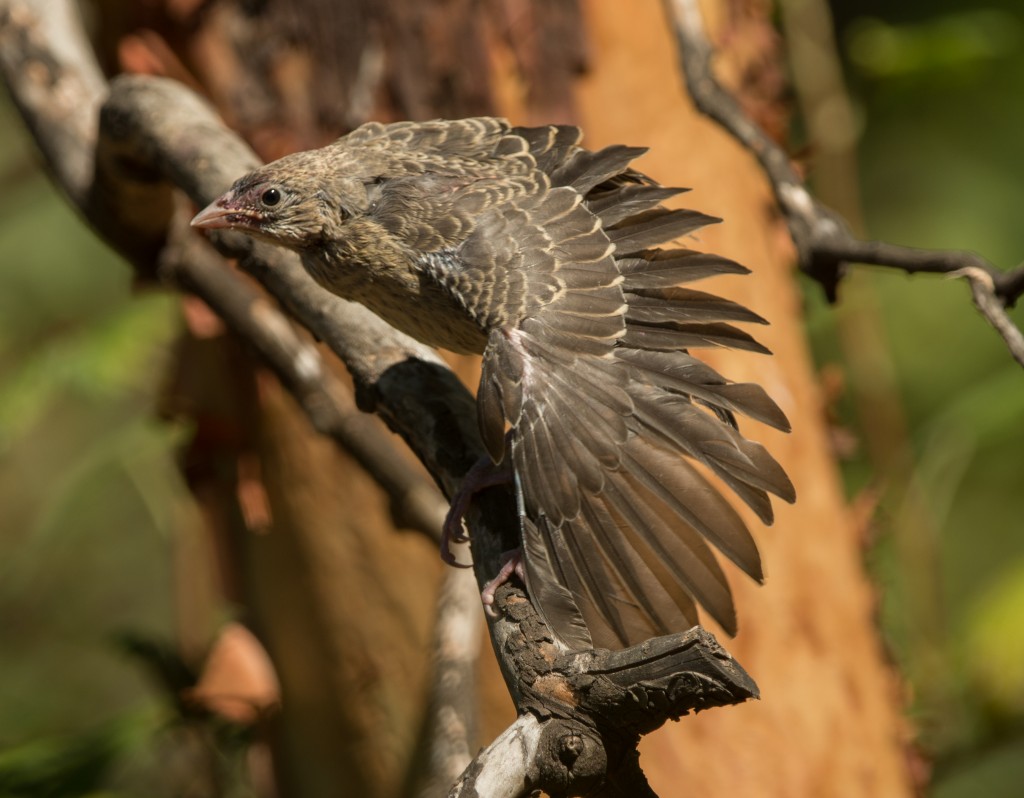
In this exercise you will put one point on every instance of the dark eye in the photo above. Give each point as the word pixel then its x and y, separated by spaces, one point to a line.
pixel 270 197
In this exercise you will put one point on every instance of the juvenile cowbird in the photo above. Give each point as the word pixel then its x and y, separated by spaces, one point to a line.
pixel 520 245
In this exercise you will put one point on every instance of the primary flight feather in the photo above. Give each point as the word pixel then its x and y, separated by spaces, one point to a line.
pixel 521 245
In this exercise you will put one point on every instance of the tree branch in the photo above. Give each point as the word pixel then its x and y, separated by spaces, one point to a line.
pixel 824 244
pixel 53 76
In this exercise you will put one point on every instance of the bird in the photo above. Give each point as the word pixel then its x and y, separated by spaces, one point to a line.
pixel 562 267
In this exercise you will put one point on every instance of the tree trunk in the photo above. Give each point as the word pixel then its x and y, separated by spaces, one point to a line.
pixel 829 721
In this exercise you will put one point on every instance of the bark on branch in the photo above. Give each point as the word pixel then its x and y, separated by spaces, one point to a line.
pixel 824 244
pixel 582 713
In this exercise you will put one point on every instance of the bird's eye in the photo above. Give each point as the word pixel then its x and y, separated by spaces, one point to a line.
pixel 270 197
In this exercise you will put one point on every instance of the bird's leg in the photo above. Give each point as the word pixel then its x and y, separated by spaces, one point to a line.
pixel 511 563
pixel 484 474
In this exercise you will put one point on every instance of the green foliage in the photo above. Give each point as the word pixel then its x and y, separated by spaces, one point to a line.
pixel 90 497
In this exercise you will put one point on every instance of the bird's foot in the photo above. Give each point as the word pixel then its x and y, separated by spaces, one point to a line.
pixel 484 474
pixel 511 563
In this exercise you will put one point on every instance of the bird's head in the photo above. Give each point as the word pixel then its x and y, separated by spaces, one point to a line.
pixel 290 202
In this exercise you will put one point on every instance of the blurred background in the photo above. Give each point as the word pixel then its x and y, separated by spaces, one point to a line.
pixel 921 146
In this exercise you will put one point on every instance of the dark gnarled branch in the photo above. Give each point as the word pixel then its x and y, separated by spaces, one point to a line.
pixel 582 713
pixel 824 244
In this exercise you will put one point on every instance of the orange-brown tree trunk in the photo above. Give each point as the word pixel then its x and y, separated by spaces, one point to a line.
pixel 829 722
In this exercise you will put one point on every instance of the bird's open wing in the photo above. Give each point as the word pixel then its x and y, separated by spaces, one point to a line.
pixel 586 362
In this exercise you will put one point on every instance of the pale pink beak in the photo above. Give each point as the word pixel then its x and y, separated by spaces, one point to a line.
pixel 216 216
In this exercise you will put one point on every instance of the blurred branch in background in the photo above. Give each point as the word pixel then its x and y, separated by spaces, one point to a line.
pixel 824 244
pixel 449 734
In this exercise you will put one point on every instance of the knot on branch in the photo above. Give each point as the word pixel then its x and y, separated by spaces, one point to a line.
pixel 568 760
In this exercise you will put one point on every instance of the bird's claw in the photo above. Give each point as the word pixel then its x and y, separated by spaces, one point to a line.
pixel 511 563
pixel 447 556
pixel 484 474
pixel 454 528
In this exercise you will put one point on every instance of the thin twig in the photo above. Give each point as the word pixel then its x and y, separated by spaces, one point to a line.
pixel 824 244
pixel 988 303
